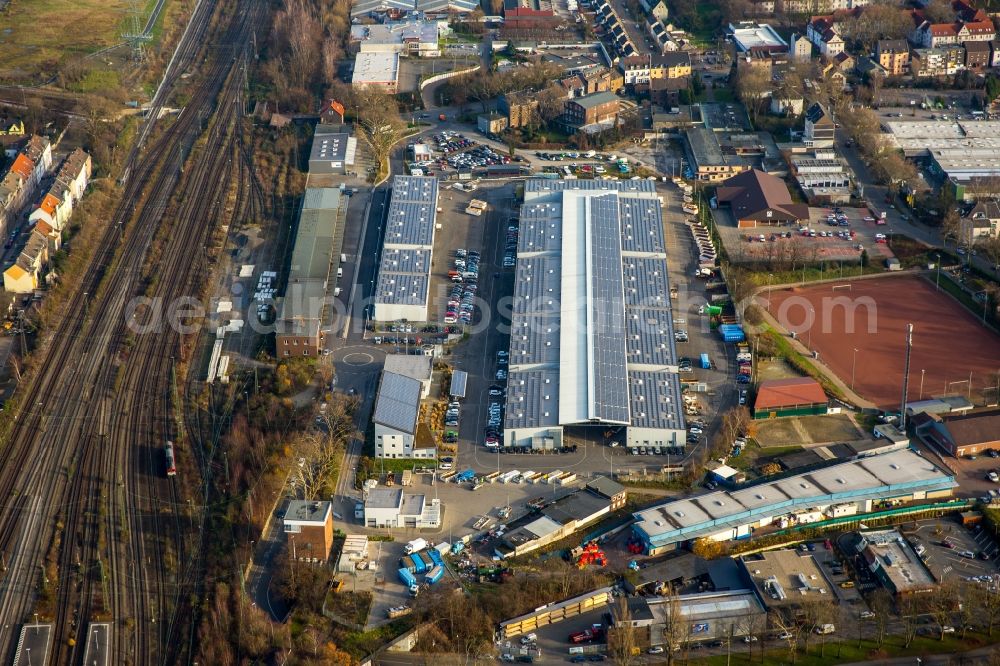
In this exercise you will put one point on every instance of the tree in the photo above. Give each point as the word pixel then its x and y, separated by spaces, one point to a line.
pixel 379 122
pixel 788 629
pixel 939 11
pixel 622 638
pixel 676 627
pixel 753 85
pixel 909 618
pixel 881 605
pixel 706 548
pixel 941 605
pixel 951 225
pixel 319 452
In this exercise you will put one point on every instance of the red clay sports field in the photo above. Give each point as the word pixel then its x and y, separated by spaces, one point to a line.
pixel 949 342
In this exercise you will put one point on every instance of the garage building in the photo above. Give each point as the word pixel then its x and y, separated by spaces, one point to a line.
pixel 391 507
pixel 760 199
pixel 967 434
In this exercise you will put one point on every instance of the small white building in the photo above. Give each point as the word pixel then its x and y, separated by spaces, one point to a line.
pixel 393 508
pixel 376 69
pixel 354 551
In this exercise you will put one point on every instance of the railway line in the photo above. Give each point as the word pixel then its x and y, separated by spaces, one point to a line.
pixel 90 528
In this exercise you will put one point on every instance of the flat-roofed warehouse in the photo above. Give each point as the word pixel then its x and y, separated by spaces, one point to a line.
pixel 404 275
pixel 592 339
pixel 849 488
pixel 332 151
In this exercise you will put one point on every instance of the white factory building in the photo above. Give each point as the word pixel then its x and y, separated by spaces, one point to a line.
pixel 592 339
pixel 404 275
pixel 398 431
pixel 391 507
pixel 851 488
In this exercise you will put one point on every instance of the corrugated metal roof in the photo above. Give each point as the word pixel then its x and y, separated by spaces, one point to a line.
pixel 459 382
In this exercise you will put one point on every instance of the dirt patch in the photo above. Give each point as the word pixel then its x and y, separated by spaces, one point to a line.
pixel 831 428
pixel 779 432
pixel 807 430
pixel 950 346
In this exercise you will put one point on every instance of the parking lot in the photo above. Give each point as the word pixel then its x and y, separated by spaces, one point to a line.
pixel 952 560
pixel 833 234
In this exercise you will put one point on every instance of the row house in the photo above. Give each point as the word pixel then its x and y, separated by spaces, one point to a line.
pixel 822 32
pixel 805 6
pixel 24 275
pixel 592 80
pixel 18 185
pixel 893 55
pixel 970 25
pixel 977 55
pixel 56 206
pixel 939 61
pixel 639 70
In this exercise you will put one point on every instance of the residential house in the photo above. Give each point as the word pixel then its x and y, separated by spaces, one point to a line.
pixel 970 25
pixel 893 55
pixel 995 53
pixel 491 123
pixel 822 32
pixel 52 237
pixel 591 110
pixel 819 127
pixel 635 70
pixel 68 187
pixel 667 92
pixel 937 61
pixel 24 275
pixel 39 151
pixel 800 48
pixel 519 107
pixel 786 104
pixel 658 9
pixel 308 526
pixel 843 61
pixel 18 185
pixel 977 55
pixel 983 221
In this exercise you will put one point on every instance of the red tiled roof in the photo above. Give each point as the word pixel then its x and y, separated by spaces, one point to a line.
pixel 790 392
pixel 49 204
pixel 23 166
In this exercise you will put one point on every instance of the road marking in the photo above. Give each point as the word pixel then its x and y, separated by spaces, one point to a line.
pixel 358 359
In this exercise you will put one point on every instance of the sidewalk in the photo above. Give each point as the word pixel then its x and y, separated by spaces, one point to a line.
pixel 984 655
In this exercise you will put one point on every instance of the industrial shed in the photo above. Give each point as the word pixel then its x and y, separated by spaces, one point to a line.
pixel 796 396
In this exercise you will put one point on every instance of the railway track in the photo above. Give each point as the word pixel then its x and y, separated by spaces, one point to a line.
pixel 90 528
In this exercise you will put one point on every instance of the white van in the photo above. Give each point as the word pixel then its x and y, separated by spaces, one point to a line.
pixel 340 273
pixel 530 638
pixel 343 258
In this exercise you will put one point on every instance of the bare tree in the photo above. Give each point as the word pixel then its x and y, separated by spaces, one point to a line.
pixel 379 122
pixel 881 605
pixel 753 85
pixel 909 618
pixel 951 225
pixel 676 627
pixel 623 639
pixel 941 606
pixel 788 631
pixel 319 452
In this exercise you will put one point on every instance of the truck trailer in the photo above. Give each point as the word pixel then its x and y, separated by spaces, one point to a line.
pixel 434 575
pixel 415 546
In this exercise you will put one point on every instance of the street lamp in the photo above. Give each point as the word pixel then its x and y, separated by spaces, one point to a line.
pixel 854 364
pixel 922 370
pixel 769 276
pixel 812 320
pixel 937 264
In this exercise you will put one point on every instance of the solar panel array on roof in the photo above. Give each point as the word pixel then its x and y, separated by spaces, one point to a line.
pixel 398 402
pixel 608 380
pixel 641 226
pixel 405 266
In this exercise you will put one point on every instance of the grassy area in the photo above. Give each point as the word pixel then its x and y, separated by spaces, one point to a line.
pixel 352 607
pixel 826 271
pixel 37 37
pixel 846 651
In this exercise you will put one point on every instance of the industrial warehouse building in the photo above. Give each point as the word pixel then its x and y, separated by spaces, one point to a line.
pixel 592 340
pixel 706 616
pixel 838 490
pixel 391 507
pixel 795 396
pixel 960 435
pixel 316 254
pixel 333 151
pixel 562 518
pixel 893 561
pixel 786 579
pixel 404 274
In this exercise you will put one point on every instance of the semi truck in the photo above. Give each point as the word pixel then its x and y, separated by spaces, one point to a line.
pixel 415 546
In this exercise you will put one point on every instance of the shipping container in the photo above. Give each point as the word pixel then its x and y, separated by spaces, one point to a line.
pixel 407 579
pixel 706 363
pixel 434 575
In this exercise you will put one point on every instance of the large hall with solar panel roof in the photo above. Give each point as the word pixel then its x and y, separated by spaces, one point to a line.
pixel 592 340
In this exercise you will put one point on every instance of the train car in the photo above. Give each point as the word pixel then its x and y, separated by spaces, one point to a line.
pixel 168 452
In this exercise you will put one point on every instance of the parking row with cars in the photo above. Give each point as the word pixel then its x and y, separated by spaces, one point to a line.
pixel 465 278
